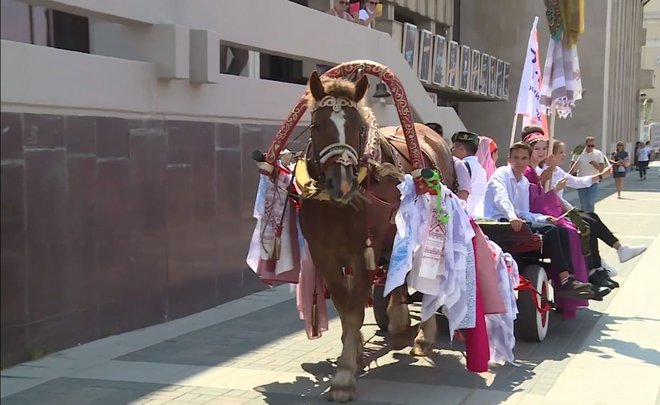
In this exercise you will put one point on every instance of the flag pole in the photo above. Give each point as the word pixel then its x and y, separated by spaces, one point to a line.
pixel 513 129
pixel 551 137
pixel 553 118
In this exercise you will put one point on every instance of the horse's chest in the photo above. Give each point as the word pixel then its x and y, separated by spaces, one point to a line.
pixel 331 225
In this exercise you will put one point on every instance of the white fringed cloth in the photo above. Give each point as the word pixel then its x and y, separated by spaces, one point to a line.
pixel 295 263
pixel 562 83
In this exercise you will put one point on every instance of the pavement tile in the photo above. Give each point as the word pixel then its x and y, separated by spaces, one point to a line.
pixel 481 397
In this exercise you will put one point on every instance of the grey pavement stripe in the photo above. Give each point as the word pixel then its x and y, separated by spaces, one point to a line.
pixel 643 214
pixel 66 362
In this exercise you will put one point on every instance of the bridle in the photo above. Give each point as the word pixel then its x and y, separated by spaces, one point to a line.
pixel 338 152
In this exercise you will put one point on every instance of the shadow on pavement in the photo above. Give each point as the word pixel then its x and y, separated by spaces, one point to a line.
pixel 633 350
pixel 446 367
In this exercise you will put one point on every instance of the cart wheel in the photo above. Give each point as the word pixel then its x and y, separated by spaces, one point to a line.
pixel 531 324
pixel 380 307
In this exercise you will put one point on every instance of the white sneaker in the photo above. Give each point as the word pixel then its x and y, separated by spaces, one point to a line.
pixel 609 269
pixel 626 252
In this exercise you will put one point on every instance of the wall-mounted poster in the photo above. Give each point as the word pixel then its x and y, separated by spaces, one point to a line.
pixel 452 65
pixel 475 67
pixel 483 75
pixel 425 53
pixel 507 71
pixel 492 77
pixel 439 60
pixel 409 41
pixel 500 78
pixel 465 68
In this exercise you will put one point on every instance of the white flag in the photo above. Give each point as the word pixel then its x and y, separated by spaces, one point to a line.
pixel 529 93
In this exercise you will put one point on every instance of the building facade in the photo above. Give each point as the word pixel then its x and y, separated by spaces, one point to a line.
pixel 609 51
pixel 650 88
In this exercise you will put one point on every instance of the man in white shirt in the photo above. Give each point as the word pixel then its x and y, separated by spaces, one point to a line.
pixel 464 146
pixel 589 163
pixel 507 199
pixel 643 157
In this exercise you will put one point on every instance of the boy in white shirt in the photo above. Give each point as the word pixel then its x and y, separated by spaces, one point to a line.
pixel 507 199
pixel 464 146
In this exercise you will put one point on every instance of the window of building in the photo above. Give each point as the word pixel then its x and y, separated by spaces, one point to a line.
pixel 42 26
pixel 281 69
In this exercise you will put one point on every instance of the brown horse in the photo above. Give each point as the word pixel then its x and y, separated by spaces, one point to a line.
pixel 339 229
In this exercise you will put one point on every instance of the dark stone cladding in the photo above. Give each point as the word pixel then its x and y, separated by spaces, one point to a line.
pixel 109 224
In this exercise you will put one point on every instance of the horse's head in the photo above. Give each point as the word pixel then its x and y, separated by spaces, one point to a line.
pixel 339 133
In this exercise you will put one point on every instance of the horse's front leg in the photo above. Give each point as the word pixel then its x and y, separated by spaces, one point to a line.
pixel 425 339
pixel 351 310
pixel 399 317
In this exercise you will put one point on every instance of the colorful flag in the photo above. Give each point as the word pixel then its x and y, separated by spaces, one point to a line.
pixel 529 93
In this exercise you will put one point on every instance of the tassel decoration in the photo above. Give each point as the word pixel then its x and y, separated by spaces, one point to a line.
pixel 349 281
pixel 315 318
pixel 277 245
pixel 369 257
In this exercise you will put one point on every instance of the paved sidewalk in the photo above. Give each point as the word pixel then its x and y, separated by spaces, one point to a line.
pixel 253 350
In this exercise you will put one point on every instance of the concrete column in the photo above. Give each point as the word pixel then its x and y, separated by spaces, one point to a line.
pixel 254 64
pixel 204 56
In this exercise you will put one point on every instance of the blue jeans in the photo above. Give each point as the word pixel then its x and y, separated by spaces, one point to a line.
pixel 588 197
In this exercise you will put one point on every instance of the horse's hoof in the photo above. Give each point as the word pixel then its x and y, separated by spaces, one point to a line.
pixel 339 395
pixel 421 350
pixel 342 387
pixel 400 341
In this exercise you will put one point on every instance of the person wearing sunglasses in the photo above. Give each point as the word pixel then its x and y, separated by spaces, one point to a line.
pixel 340 10
pixel 368 14
pixel 591 162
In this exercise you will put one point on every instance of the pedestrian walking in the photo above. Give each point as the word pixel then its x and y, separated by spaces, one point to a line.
pixel 620 162
pixel 589 163
pixel 643 156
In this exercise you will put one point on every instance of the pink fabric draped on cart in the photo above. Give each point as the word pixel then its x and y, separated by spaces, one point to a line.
pixel 487 277
pixel 476 339
pixel 311 284
pixel 549 204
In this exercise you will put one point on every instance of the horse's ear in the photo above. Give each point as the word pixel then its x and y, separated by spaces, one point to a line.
pixel 361 88
pixel 315 86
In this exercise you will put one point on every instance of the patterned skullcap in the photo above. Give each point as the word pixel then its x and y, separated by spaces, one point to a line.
pixel 466 137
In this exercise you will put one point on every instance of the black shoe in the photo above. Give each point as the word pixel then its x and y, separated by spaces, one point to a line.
pixel 599 293
pixel 613 284
pixel 573 289
pixel 601 279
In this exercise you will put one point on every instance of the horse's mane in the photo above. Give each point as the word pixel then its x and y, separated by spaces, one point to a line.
pixel 338 88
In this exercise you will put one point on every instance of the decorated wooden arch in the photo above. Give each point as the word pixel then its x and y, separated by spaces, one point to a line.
pixel 347 69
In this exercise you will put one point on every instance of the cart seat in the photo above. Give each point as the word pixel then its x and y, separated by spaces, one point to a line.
pixel 521 242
